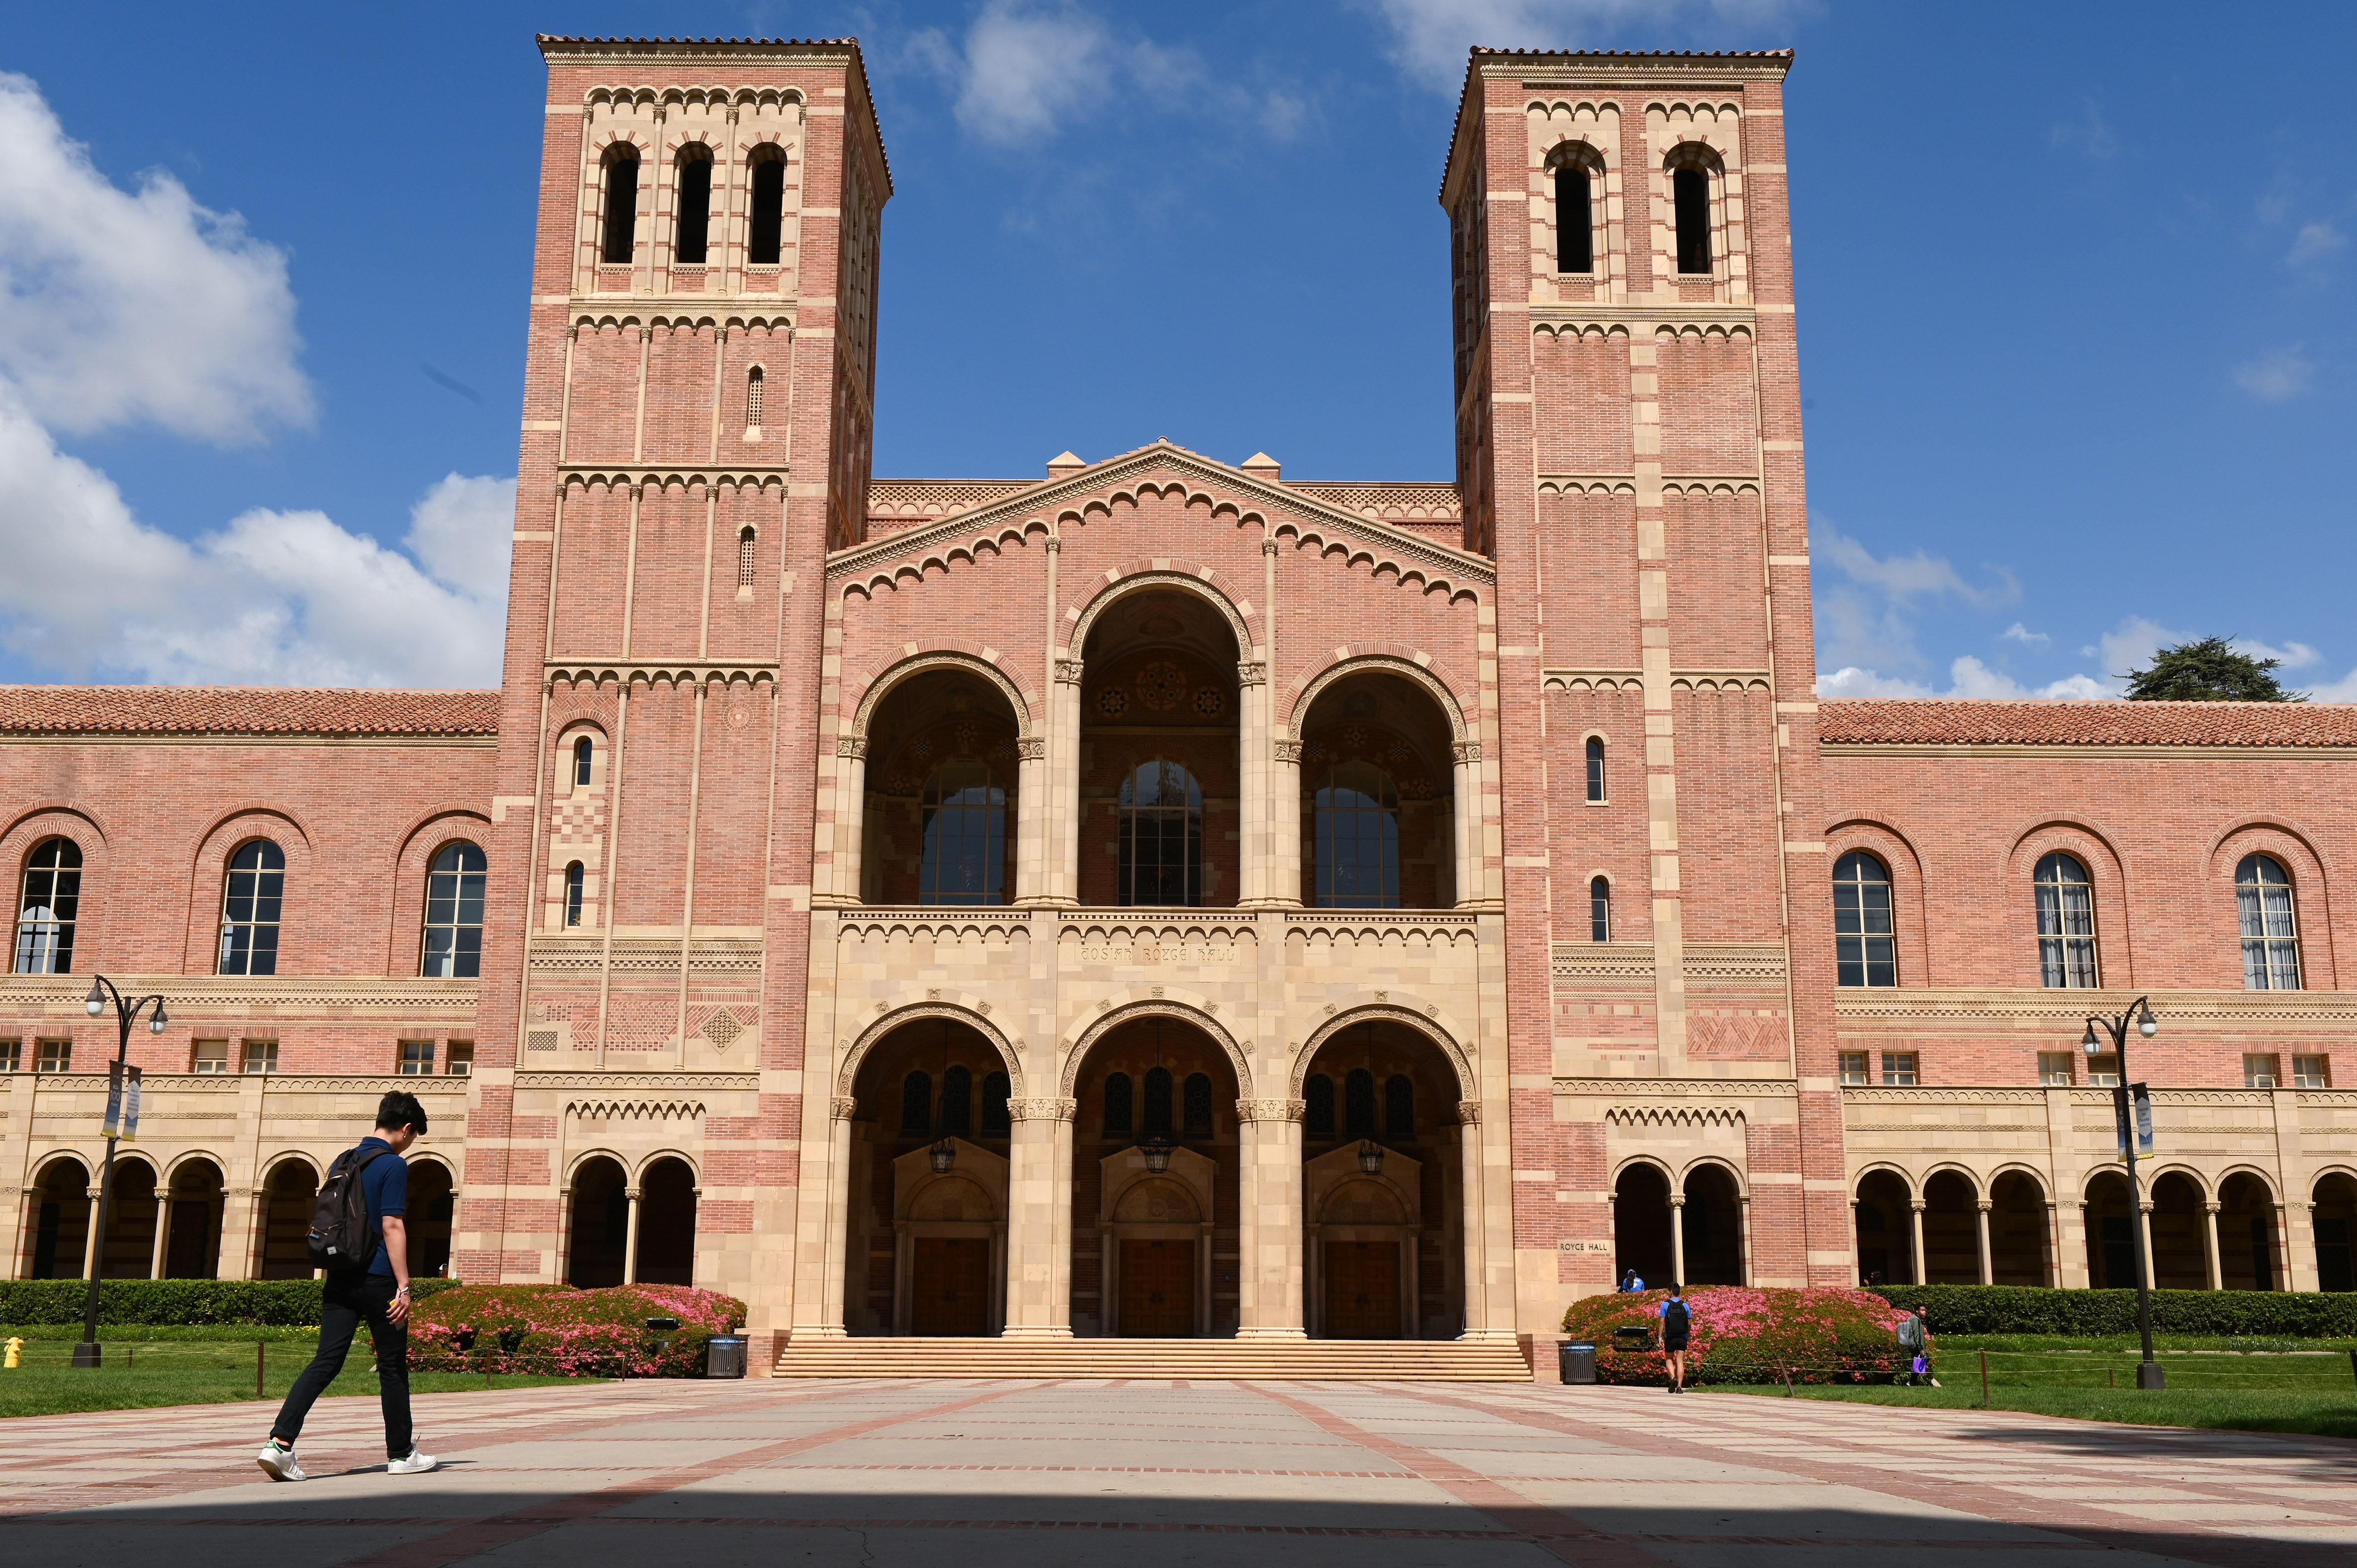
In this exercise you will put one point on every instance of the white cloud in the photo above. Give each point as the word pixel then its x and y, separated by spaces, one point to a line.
pixel 2291 655
pixel 119 307
pixel 2018 632
pixel 1967 677
pixel 1868 619
pixel 1430 37
pixel 2341 691
pixel 2276 377
pixel 2088 134
pixel 2131 644
pixel 2313 244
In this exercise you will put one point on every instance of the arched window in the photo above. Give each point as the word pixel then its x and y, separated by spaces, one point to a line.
pixel 1155 1114
pixel 1358 839
pixel 764 238
pixel 1317 1109
pixel 2270 938
pixel 45 913
pixel 1161 836
pixel 1596 771
pixel 694 227
pixel 1575 217
pixel 994 1090
pixel 744 541
pixel 1359 1105
pixel 1118 1113
pixel 1195 1108
pixel 249 901
pixel 622 206
pixel 1399 1108
pixel 1599 909
pixel 964 852
pixel 753 396
pixel 917 1103
pixel 1690 195
pixel 581 752
pixel 2066 924
pixel 576 878
pixel 957 1101
pixel 454 913
pixel 1865 950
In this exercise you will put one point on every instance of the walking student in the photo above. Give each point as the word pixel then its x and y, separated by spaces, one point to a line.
pixel 359 1236
pixel 1677 1323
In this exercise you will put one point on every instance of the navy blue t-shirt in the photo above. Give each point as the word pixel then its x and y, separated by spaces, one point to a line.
pixel 384 1184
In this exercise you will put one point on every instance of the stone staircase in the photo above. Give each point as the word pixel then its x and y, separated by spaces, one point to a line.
pixel 1493 1360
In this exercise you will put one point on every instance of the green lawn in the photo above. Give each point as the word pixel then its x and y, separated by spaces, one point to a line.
pixel 2308 1391
pixel 201 1366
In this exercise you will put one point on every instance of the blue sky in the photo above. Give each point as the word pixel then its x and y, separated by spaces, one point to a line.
pixel 2075 315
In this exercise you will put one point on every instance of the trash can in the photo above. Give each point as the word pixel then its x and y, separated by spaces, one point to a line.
pixel 1576 1361
pixel 724 1355
pixel 1634 1338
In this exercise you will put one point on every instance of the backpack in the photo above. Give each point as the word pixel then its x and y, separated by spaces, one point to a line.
pixel 1675 1318
pixel 1910 1333
pixel 341 1237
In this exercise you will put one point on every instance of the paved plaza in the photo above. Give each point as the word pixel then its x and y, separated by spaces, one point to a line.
pixel 1374 1476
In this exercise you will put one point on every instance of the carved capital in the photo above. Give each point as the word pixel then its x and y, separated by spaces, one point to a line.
pixel 1031 748
pixel 1251 672
pixel 843 1106
pixel 1288 751
pixel 1466 751
pixel 1271 1110
pixel 851 745
pixel 1053 543
pixel 1468 1113
pixel 1045 1108
pixel 1068 671
pixel 1268 546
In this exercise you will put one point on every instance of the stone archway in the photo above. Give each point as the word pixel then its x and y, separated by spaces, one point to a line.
pixel 1886 1236
pixel 286 1221
pixel 1641 1224
pixel 2179 1260
pixel 129 1250
pixel 598 1228
pixel 2018 1230
pixel 192 1222
pixel 2248 1258
pixel 59 1228
pixel 1952 1230
pixel 431 1208
pixel 1711 1221
pixel 665 1250
pixel 2111 1243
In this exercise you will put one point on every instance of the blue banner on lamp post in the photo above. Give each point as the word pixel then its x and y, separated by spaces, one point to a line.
pixel 122 1102
pixel 2142 1098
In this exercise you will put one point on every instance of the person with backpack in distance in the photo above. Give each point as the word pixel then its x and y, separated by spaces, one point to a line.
pixel 359 1236
pixel 1677 1323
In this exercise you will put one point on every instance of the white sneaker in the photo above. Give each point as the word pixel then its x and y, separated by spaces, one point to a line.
pixel 277 1461
pixel 415 1465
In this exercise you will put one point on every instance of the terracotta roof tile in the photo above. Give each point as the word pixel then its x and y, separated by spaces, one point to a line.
pixel 244 710
pixel 1971 722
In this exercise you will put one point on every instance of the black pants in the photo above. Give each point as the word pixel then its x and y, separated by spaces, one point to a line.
pixel 347 1303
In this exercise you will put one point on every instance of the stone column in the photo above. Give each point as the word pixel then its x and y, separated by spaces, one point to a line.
pixel 1285 796
pixel 2209 1243
pixel 1274 1269
pixel 1677 1238
pixel 1064 784
pixel 1039 1217
pixel 1469 1152
pixel 630 1238
pixel 92 1237
pixel 1915 1238
pixel 850 815
pixel 1465 817
pixel 1254 757
pixel 1743 1236
pixel 1988 1263
pixel 162 1231
pixel 1856 1262
pixel 833 1197
pixel 1032 872
pixel 2284 1255
pixel 2143 1222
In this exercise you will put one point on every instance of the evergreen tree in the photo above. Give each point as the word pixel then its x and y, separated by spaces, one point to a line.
pixel 2209 671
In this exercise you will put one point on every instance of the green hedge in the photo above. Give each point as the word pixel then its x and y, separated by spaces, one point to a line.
pixel 270 1302
pixel 2033 1309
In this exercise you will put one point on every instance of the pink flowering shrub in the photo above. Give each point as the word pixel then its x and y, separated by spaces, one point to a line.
pixel 1741 1335
pixel 555 1329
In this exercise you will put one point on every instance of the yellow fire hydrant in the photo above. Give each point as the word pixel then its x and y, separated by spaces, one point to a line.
pixel 14 1347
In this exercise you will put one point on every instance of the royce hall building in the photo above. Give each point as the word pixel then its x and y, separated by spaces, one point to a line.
pixel 1155 906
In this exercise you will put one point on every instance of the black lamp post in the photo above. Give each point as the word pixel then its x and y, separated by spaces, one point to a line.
pixel 2149 1372
pixel 86 1354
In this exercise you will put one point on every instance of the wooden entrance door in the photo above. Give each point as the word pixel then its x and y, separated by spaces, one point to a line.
pixel 950 1293
pixel 1362 1285
pixel 1157 1289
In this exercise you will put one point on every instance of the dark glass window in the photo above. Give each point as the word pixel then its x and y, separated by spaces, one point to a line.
pixel 47 911
pixel 1318 1114
pixel 1197 1107
pixel 917 1103
pixel 2263 906
pixel 1161 836
pixel 454 913
pixel 965 854
pixel 1158 1102
pixel 1691 188
pixel 764 238
pixel 622 206
pixel 1359 1105
pixel 1599 909
pixel 1865 950
pixel 1596 768
pixel 694 206
pixel 582 750
pixel 1118 1119
pixel 957 1101
pixel 1399 1108
pixel 249 907
pixel 2066 924
pixel 745 543
pixel 576 878
pixel 1575 220
pixel 1357 846
pixel 995 1118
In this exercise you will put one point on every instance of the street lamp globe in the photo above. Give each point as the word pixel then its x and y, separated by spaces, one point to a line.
pixel 2147 1025
pixel 95 1002
pixel 2092 1045
pixel 155 1023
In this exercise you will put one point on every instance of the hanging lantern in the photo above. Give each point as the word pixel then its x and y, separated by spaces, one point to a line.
pixel 1156 1151
pixel 943 1155
pixel 1371 1157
